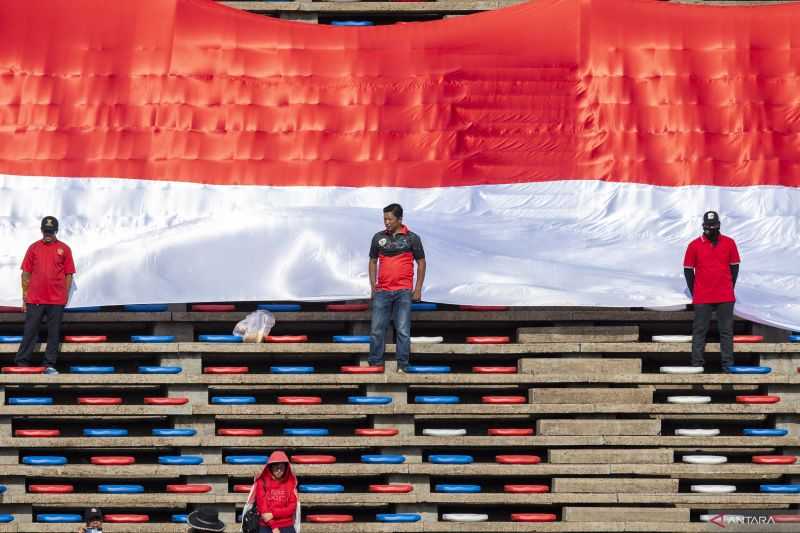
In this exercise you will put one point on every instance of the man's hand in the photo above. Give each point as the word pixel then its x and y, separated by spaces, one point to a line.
pixel 24 307
pixel 266 517
pixel 417 295
pixel 276 530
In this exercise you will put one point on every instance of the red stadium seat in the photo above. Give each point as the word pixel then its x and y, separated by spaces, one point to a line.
pixel 329 518
pixel 376 432
pixel 510 432
pixel 345 308
pixel 494 369
pixel 213 308
pixel 23 369
pixel 488 340
pixel 503 399
pixel 286 338
pixel 299 400
pixel 37 433
pixel 10 309
pixel 533 517
pixel 189 488
pixel 757 399
pixel 166 401
pixel 85 338
pixel 112 460
pixel 126 518
pixel 306 459
pixel 775 459
pixel 748 338
pixel 226 370
pixel 242 488
pixel 526 489
pixel 518 459
pixel 395 488
pixel 51 489
pixel 361 369
pixel 786 518
pixel 479 308
pixel 240 432
pixel 99 400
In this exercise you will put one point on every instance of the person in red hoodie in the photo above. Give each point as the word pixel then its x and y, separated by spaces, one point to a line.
pixel 276 495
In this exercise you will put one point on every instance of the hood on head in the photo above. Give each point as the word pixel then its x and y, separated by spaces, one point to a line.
pixel 278 456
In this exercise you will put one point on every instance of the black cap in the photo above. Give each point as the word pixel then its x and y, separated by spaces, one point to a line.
pixel 711 218
pixel 49 225
pixel 92 514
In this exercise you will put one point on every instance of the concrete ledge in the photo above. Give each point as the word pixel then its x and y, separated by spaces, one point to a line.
pixel 591 395
pixel 611 457
pixel 583 366
pixel 597 427
pixel 579 334
pixel 621 514
pixel 615 485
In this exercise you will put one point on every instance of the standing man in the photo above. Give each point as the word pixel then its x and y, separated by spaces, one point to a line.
pixel 391 277
pixel 46 281
pixel 711 266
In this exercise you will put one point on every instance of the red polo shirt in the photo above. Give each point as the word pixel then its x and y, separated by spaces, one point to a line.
pixel 396 255
pixel 713 283
pixel 48 264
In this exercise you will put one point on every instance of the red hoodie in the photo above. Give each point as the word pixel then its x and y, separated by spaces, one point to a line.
pixel 277 496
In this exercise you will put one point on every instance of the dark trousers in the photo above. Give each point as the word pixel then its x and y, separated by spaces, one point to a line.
pixel 392 306
pixel 702 319
pixel 30 337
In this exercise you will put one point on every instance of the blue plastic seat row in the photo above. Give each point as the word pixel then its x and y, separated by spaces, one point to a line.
pixel 146 308
pixel 105 432
pixel 398 517
pixel 175 432
pixel 424 306
pixel 3 488
pixel 428 369
pixel 351 23
pixel 279 308
pixel 748 369
pixel 793 488
pixel 6 518
pixel 369 400
pixel 160 370
pixel 351 339
pixel 30 400
pixel 383 459
pixel 233 400
pixel 794 338
pixel 10 339
pixel 457 488
pixel 152 339
pixel 765 432
pixel 120 489
pixel 179 518
pixel 246 459
pixel 92 369
pixel 44 460
pixel 437 399
pixel 291 369
pixel 320 488
pixel 178 460
pixel 88 309
pixel 59 518
pixel 451 459
pixel 306 432
pixel 219 338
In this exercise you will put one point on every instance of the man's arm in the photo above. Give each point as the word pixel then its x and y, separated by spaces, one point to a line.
pixel 734 273
pixel 421 267
pixel 688 273
pixel 373 274
pixel 26 281
pixel 69 285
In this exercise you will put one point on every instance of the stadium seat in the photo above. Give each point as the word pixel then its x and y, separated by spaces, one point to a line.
pixel 286 339
pixel 503 400
pixel 320 488
pixel 99 400
pixel 774 459
pixel 30 400
pixel 757 398
pixel 179 518
pixel 240 432
pixel 684 432
pixel 518 459
pixel 351 339
pixel 346 308
pixel 213 308
pixel 748 338
pixel 10 309
pixel 533 517
pixel 226 370
pixel 376 432
pixel 152 339
pixel 242 488
pixel 105 432
pixel 689 399
pixel 180 460
pixel 498 339
pixel 85 309
pixel 188 488
pixel 704 459
pixel 114 488
pixel 681 369
pixel 526 489
pixel 51 489
pixel 92 369
pixel 443 399
pixel 312 459
pixel 219 338
pixel 742 369
pixel 457 488
pixel 383 459
pixel 444 432
pixel 765 432
pixel 775 488
pixel 794 338
pixel 119 518
pixel 23 369
pixel 393 488
pixel 160 369
pixel 369 400
pixel 174 400
pixel 483 308
pixel 3 488
pixel 10 339
pixel 428 369
pixel 465 517
pixel 299 400
pixel 672 338
pixel 112 460
pixel 450 459
pixel 146 308
pixel 295 369
pixel 37 433
pixel 398 517
pixel 786 518
pixel 233 400
pixel 424 306
pixel 510 432
pixel 44 460
pixel 174 432
pixel 354 369
pixel 329 518
pixel 427 340
pixel 712 489
pixel 59 518
pixel 279 308
pixel 6 518
pixel 494 369
pixel 85 339
pixel 306 432
pixel 246 459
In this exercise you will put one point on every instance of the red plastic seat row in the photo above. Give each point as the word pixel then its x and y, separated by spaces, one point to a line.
pixel 189 488
pixel 112 460
pixel 299 400
pixel 376 432
pixel 240 432
pixel 51 489
pixel 488 340
pixel 494 369
pixel 533 517
pixel 37 433
pixel 312 459
pixel 99 400
pixel 510 432
pixel 85 339
pixel 747 338
pixel 286 338
pixel 479 308
pixel 517 459
pixel 23 369
pixel 10 309
pixel 394 488
pixel 166 400
pixel 226 370
pixel 213 308
pixel 353 369
pixel 758 399
pixel 242 488
pixel 504 400
pixel 126 518
pixel 775 459
pixel 526 489
pixel 346 308
pixel 329 518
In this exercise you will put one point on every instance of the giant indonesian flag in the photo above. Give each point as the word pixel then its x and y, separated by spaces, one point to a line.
pixel 559 152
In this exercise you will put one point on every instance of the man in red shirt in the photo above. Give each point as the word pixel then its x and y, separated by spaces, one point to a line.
pixel 46 281
pixel 711 266
pixel 391 277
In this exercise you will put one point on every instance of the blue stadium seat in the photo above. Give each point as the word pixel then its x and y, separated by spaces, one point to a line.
pixel 457 488
pixel 746 369
pixel 451 459
pixel 383 459
pixel 279 308
pixel 6 518
pixel 369 400
pixel 44 460
pixel 291 369
pixel 352 23
pixel 424 306
pixel 146 308
pixel 352 339
pixel 233 400
pixel 306 432
pixel 178 460
pixel 765 432
pixel 246 459
pixel 10 339
pixel 792 488
pixel 179 518
pixel 437 399
pixel 89 309
pixel 794 338
pixel 59 518
pixel 92 369
pixel 105 432
pixel 320 488
pixel 152 338
pixel 398 517
pixel 160 370
pixel 428 369
pixel 3 488
pixel 219 338
pixel 120 489
pixel 175 432
pixel 30 400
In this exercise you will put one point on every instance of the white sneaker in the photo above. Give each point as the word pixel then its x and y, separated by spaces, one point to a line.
pixel 50 371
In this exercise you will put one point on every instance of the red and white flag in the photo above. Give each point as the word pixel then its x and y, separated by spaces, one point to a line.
pixel 559 152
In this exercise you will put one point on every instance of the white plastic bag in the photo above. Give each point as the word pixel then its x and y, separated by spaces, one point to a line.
pixel 255 326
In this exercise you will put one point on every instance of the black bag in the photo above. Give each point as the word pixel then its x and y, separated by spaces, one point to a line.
pixel 250 520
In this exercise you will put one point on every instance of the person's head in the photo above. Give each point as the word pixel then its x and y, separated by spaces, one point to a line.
pixel 711 225
pixel 204 519
pixel 278 470
pixel 278 466
pixel 93 518
pixel 393 217
pixel 49 228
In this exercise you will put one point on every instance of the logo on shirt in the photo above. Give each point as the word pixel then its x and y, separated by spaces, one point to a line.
pixel 60 251
pixel 382 242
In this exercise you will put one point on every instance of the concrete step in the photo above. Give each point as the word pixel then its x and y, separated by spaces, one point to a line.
pixel 578 333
